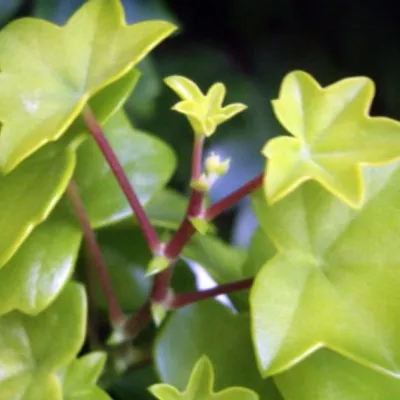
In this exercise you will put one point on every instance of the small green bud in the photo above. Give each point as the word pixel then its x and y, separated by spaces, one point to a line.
pixel 202 184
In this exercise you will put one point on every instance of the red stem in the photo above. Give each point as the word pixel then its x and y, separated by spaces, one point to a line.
pixel 144 222
pixel 230 200
pixel 183 299
pixel 184 234
pixel 138 321
pixel 185 230
pixel 115 313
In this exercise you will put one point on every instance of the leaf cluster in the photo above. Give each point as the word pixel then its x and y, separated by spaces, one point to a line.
pixel 322 316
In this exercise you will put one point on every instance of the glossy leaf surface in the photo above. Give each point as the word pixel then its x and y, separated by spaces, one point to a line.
pixel 166 209
pixel 30 192
pixel 222 262
pixel 147 161
pixel 334 281
pixel 126 254
pixel 200 387
pixel 49 73
pixel 209 328
pixel 106 102
pixel 328 376
pixel 333 135
pixel 36 274
pixel 34 348
pixel 80 376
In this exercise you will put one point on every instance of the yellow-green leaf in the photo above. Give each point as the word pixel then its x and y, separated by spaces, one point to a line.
pixel 34 349
pixel 334 281
pixel 200 387
pixel 332 137
pixel 204 112
pixel 50 72
pixel 329 376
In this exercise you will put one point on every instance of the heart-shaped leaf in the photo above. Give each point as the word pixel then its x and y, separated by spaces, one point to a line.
pixel 80 376
pixel 218 333
pixel 200 387
pixel 332 137
pixel 30 192
pixel 36 274
pixel 335 279
pixel 32 349
pixel 328 376
pixel 147 161
pixel 49 73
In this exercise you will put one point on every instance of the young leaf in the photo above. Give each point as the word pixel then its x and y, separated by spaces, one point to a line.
pixel 79 378
pixel 200 387
pixel 30 192
pixel 334 281
pixel 34 348
pixel 49 73
pixel 332 137
pixel 36 274
pixel 218 333
pixel 147 161
pixel 204 112
pixel 328 376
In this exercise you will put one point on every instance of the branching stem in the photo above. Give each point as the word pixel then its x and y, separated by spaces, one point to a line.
pixel 183 299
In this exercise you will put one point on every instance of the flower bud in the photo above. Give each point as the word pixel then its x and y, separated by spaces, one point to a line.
pixel 214 165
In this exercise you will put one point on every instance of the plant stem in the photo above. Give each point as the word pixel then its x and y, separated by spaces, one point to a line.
pixel 112 160
pixel 115 313
pixel 196 197
pixel 182 236
pixel 185 230
pixel 138 321
pixel 183 299
pixel 230 200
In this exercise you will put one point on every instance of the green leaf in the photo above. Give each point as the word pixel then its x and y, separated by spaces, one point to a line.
pixel 328 376
pixel 126 255
pixel 49 73
pixel 200 387
pixel 39 270
pixel 158 313
pixel 208 328
pixel 30 192
pixel 222 262
pixel 200 224
pixel 33 348
pixel 260 251
pixel 335 275
pixel 80 376
pixel 204 112
pixel 147 161
pixel 166 209
pixel 333 136
pixel 106 102
pixel 157 264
